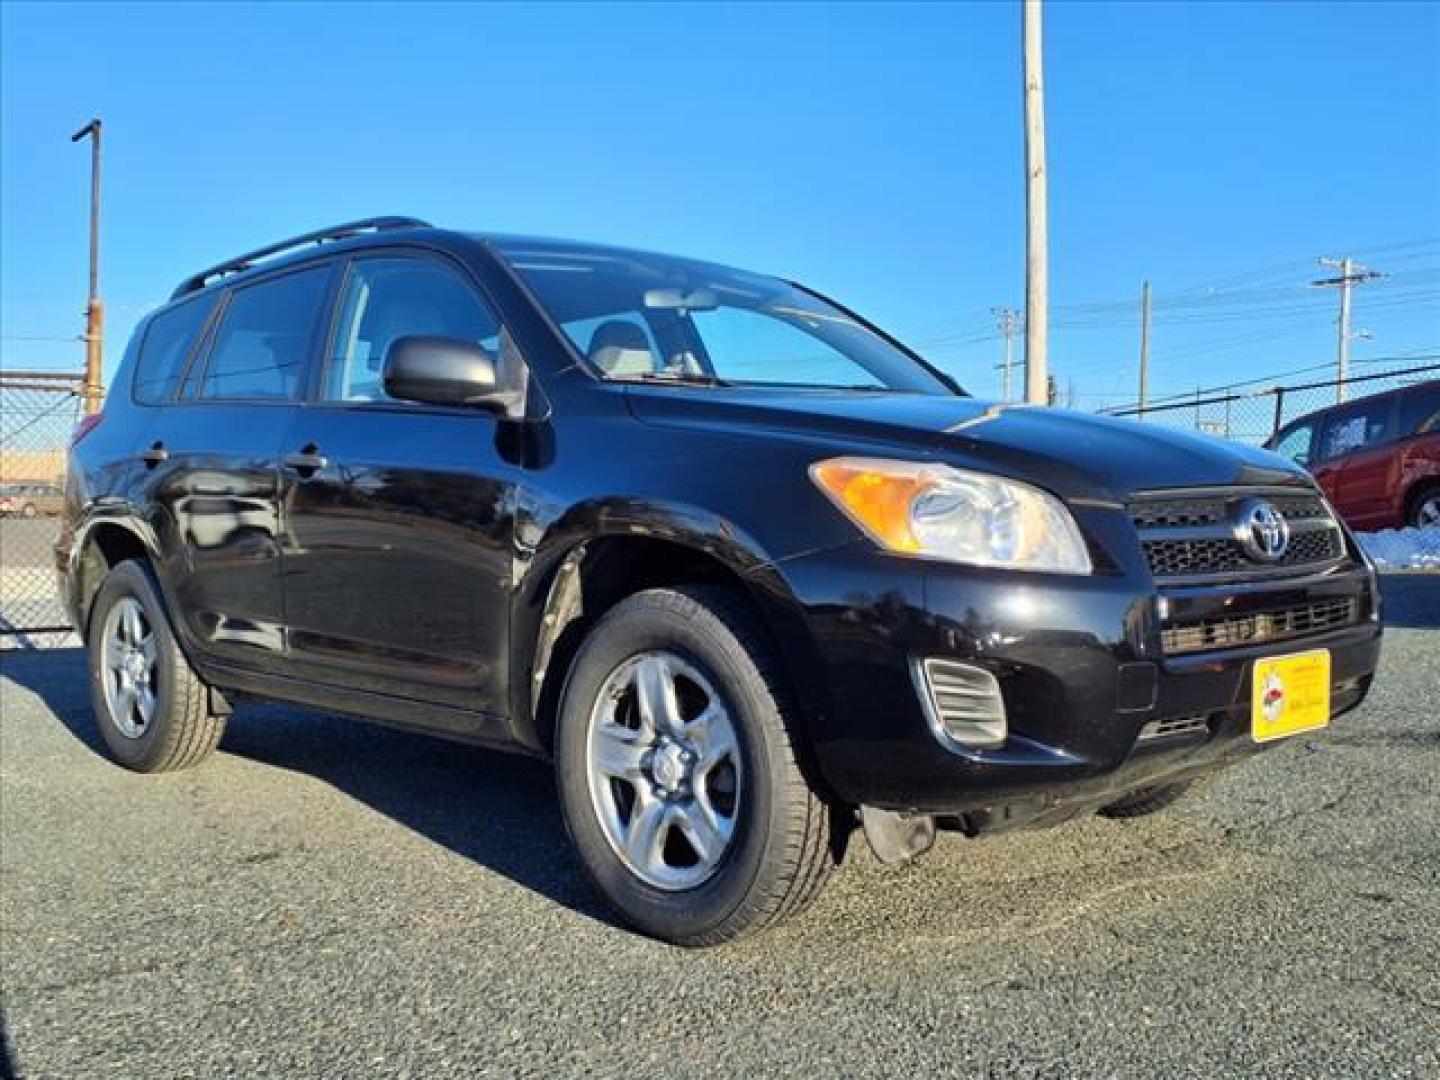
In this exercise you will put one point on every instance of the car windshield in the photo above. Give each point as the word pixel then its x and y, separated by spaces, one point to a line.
pixel 642 317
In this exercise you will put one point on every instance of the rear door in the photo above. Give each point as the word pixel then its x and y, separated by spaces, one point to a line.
pixel 215 452
pixel 398 545
pixel 1359 464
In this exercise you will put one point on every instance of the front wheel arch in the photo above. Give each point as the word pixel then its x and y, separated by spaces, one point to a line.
pixel 592 577
pixel 1421 491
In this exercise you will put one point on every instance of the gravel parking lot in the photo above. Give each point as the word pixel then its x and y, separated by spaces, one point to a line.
pixel 328 898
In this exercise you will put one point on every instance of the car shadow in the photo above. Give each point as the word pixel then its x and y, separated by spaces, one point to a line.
pixel 498 810
pixel 1411 599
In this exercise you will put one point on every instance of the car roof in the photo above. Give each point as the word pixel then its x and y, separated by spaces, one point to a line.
pixel 1379 395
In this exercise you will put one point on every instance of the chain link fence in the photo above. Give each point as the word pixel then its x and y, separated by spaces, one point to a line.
pixel 1252 416
pixel 38 413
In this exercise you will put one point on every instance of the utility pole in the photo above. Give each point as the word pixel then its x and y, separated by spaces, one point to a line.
pixel 1351 274
pixel 1037 272
pixel 1144 348
pixel 1009 322
pixel 94 309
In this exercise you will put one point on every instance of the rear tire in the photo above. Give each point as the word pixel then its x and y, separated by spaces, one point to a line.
pixel 152 709
pixel 1147 800
pixel 675 721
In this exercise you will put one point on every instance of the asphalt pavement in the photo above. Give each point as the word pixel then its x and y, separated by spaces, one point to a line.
pixel 326 898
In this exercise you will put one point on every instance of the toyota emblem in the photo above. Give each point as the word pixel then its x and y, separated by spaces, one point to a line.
pixel 1262 531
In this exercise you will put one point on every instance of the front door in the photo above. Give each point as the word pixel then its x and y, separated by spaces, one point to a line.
pixel 398 515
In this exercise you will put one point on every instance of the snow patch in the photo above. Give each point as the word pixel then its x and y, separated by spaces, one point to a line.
pixel 1403 549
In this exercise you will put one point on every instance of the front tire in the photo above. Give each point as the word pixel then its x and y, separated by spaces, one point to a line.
pixel 678 772
pixel 152 709
pixel 1425 508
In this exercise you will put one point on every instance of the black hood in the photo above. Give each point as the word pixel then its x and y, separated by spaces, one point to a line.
pixel 1074 454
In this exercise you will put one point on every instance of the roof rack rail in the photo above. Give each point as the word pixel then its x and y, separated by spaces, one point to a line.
pixel 196 282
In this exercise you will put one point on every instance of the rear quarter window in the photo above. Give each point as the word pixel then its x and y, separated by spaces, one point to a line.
pixel 1420 411
pixel 167 344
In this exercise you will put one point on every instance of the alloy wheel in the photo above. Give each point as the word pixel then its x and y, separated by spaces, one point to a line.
pixel 129 668
pixel 663 768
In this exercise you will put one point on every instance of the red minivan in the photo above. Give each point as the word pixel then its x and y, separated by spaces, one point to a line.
pixel 1377 458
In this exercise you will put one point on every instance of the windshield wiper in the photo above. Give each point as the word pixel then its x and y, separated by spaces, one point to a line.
pixel 688 378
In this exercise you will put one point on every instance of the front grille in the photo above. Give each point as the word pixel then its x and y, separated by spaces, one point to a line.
pixel 1236 630
pixel 1212 508
pixel 1191 536
pixel 1216 555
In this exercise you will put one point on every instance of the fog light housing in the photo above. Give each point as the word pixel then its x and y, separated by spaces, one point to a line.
pixel 962 703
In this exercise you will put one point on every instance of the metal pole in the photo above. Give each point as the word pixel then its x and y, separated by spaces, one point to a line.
pixel 1006 319
pixel 1009 348
pixel 1144 347
pixel 94 308
pixel 1037 276
pixel 1351 274
pixel 1342 359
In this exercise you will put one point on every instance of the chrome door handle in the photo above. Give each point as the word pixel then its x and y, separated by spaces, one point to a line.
pixel 155 455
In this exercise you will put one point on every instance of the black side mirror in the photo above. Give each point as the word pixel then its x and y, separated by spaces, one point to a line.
pixel 445 371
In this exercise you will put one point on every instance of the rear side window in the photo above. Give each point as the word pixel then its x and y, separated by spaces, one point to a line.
pixel 1420 411
pixel 264 338
pixel 168 343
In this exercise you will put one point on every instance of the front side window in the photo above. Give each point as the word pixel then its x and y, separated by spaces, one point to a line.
pixel 1362 424
pixel 168 342
pixel 388 298
pixel 636 316
pixel 1295 443
pixel 264 336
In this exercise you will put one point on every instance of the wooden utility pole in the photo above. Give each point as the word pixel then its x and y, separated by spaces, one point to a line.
pixel 1037 273
pixel 1351 274
pixel 1009 321
pixel 1144 348
pixel 92 389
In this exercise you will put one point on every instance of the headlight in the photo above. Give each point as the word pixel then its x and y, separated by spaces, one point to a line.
pixel 946 513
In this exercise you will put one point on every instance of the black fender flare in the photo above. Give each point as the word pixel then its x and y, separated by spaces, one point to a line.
pixel 547 594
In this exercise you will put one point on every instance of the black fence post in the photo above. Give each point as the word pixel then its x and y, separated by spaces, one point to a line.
pixel 1279 410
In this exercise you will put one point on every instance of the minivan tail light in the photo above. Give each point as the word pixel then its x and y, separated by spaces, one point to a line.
pixel 86 425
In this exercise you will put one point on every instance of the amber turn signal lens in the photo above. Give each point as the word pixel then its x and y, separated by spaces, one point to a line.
pixel 878 501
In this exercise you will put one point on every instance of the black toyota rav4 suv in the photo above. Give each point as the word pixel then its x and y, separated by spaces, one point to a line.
pixel 746 568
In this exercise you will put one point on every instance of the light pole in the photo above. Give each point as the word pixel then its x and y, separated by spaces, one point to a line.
pixel 1037 273
pixel 94 309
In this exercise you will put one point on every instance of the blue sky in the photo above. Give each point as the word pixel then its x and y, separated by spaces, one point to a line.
pixel 874 152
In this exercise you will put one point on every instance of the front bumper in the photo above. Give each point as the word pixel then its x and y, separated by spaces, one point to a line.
pixel 1080 664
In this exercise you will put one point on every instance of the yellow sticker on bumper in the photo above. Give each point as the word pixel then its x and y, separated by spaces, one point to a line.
pixel 1290 694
